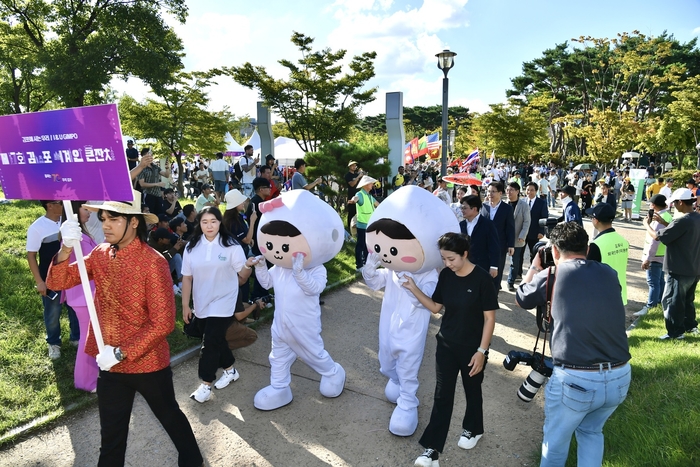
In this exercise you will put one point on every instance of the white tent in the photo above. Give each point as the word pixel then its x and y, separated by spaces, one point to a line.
pixel 254 141
pixel 232 147
pixel 287 151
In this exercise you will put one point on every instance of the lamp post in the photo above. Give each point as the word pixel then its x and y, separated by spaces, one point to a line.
pixel 446 61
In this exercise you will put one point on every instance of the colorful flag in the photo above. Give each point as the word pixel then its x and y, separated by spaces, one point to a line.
pixel 422 146
pixel 434 146
pixel 407 156
pixel 472 158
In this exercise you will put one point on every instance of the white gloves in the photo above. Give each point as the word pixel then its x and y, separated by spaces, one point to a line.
pixel 106 359
pixel 371 265
pixel 298 263
pixel 71 233
pixel 261 263
pixel 403 275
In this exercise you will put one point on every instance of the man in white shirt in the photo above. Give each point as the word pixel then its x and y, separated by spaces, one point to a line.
pixel 553 184
pixel 220 173
pixel 248 167
pixel 666 190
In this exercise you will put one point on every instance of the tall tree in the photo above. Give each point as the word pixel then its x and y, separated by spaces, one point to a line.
pixel 80 45
pixel 180 120
pixel 316 102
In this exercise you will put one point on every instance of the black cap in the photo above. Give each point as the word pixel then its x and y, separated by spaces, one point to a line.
pixel 658 200
pixel 163 217
pixel 162 232
pixel 604 212
pixel 206 186
pixel 569 190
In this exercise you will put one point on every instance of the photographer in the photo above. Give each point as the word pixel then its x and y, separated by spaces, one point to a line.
pixel 589 347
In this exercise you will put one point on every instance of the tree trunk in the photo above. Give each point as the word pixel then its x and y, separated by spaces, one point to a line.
pixel 180 173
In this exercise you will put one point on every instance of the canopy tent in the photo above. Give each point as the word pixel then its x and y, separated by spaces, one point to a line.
pixel 254 141
pixel 287 151
pixel 232 147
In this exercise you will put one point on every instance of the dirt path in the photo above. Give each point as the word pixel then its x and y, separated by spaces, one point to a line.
pixel 313 431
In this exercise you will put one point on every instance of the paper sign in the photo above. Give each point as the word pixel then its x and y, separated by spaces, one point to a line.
pixel 67 154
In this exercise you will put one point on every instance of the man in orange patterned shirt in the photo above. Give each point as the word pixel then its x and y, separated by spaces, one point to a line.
pixel 136 311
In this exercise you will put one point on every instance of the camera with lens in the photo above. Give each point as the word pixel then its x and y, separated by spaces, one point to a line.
pixel 544 250
pixel 548 224
pixel 541 369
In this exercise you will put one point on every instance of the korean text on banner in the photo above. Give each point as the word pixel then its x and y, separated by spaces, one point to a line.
pixel 67 154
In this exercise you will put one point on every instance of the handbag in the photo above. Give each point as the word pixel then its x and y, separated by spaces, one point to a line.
pixel 192 329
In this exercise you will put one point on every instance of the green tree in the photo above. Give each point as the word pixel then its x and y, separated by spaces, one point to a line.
pixel 316 102
pixel 180 120
pixel 331 162
pixel 684 113
pixel 79 46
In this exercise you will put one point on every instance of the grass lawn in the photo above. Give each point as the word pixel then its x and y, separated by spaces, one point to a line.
pixel 32 385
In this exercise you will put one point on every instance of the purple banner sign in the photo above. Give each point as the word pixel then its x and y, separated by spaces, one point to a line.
pixel 68 154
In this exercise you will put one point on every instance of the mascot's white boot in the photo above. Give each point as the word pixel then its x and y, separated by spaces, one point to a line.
pixel 391 391
pixel 332 386
pixel 269 398
pixel 403 422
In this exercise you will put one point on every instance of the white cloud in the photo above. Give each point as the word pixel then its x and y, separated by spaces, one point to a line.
pixel 696 31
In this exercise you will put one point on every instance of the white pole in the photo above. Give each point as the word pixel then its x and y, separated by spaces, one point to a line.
pixel 85 283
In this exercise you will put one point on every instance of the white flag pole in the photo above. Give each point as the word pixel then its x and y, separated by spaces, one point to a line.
pixel 85 283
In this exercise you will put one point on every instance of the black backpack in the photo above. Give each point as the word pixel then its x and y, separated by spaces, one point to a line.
pixel 237 172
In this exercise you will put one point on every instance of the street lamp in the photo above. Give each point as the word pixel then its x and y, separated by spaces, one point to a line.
pixel 446 61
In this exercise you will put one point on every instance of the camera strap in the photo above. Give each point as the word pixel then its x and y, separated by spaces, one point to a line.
pixel 546 319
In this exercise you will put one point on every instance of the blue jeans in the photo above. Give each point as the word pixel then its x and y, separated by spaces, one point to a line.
pixel 516 264
pixel 175 264
pixel 678 303
pixel 655 280
pixel 551 199
pixel 580 402
pixel 52 316
pixel 247 189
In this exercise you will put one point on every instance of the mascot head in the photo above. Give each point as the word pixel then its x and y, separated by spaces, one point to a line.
pixel 297 222
pixel 405 228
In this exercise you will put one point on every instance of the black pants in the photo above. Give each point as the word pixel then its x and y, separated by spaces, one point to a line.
pixel 530 244
pixel 501 267
pixel 215 353
pixel 450 360
pixel 361 248
pixel 115 398
pixel 351 210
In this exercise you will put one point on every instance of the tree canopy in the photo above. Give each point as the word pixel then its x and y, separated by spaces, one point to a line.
pixel 317 103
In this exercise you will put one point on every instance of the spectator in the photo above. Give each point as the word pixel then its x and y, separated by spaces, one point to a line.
pixel 351 178
pixel 538 211
pixel 543 184
pixel 587 189
pixel 298 179
pixel 149 180
pixel 588 344
pixel 457 207
pixel 178 227
pixel 484 250
pixel 219 170
pixel 366 203
pixel 189 213
pixel 132 154
pixel 653 254
pixel 692 186
pixel 655 188
pixel 275 174
pixel 262 193
pixel 266 173
pixel 441 191
pixel 248 165
pixel 171 206
pixel 202 176
pixel 571 211
pixel 238 334
pixel 215 259
pixel 627 199
pixel 606 196
pixel 168 245
pixel 681 264
pixel 42 245
pixel 502 216
pixel 608 246
pixel 521 214
pixel 242 231
pixel 462 343
pixel 132 286
pixel 667 190
pixel 553 182
pixel 205 199
pixel 399 179
pixel 86 369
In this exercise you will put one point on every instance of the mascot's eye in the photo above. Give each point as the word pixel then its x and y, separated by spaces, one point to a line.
pixel 377 248
pixel 393 251
pixel 269 245
pixel 285 248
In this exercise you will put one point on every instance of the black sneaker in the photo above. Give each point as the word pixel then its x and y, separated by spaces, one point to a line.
pixel 511 287
pixel 429 458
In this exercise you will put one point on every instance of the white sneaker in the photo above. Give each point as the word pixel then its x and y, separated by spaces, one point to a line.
pixel 226 378
pixel 75 343
pixel 202 394
pixel 467 440
pixel 177 290
pixel 54 352
pixel 429 458
pixel 641 312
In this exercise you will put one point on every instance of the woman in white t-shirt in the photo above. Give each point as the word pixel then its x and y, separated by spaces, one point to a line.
pixel 216 260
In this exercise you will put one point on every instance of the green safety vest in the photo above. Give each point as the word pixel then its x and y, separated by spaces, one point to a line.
pixel 661 250
pixel 613 252
pixel 364 210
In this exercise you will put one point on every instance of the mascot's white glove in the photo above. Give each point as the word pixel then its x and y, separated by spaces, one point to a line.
pixel 371 266
pixel 71 233
pixel 106 359
pixel 298 263
pixel 403 275
pixel 261 263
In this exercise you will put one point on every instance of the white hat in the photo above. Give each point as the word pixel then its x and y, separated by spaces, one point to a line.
pixel 681 194
pixel 124 207
pixel 234 198
pixel 366 179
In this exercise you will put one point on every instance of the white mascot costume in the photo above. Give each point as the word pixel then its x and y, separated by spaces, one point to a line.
pixel 297 233
pixel 402 236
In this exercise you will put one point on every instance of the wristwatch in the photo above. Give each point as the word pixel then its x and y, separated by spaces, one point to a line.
pixel 483 350
pixel 118 354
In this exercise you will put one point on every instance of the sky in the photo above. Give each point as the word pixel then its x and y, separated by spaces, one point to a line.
pixel 492 39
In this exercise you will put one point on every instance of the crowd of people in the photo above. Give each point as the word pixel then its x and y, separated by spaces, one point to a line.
pixel 197 252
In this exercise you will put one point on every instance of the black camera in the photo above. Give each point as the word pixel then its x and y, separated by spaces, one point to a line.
pixel 650 214
pixel 544 250
pixel 548 224
pixel 541 369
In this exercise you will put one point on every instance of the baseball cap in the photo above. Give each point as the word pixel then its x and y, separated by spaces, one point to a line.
pixel 681 194
pixel 569 190
pixel 658 200
pixel 163 217
pixel 602 211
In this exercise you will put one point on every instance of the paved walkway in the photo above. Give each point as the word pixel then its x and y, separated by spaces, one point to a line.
pixel 314 431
